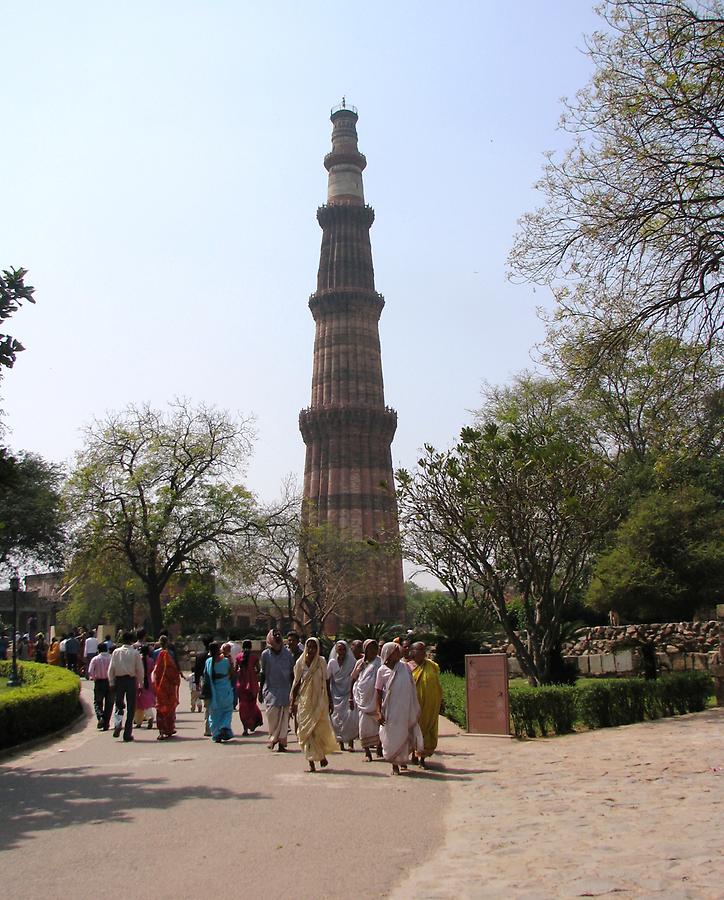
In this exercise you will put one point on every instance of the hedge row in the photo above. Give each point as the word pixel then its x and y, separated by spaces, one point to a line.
pixel 47 700
pixel 590 703
pixel 453 692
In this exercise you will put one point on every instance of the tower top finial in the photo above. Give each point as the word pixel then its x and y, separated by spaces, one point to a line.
pixel 344 107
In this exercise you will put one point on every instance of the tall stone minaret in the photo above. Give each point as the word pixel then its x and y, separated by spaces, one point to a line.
pixel 348 430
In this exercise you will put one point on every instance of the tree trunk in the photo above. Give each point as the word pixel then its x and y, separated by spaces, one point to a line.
pixel 154 605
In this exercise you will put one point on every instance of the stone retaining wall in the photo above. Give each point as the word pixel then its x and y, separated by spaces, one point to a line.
pixel 670 638
pixel 613 650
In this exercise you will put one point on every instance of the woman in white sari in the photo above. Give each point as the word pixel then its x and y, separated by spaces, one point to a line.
pixel 365 698
pixel 398 710
pixel 344 715
pixel 311 706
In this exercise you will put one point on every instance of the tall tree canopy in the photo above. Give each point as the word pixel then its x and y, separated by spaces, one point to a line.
pixel 102 589
pixel 31 521
pixel 651 394
pixel 157 489
pixel 521 502
pixel 666 561
pixel 631 231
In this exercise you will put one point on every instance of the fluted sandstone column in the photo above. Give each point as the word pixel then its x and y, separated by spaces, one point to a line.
pixel 347 429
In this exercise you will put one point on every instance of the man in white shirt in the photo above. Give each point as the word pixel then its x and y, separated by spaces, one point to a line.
pixel 124 673
pixel 97 670
pixel 90 650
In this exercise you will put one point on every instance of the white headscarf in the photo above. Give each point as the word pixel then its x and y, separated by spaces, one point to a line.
pixel 387 650
pixel 342 671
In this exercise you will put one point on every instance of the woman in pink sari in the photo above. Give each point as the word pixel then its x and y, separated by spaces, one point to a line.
pixel 145 693
pixel 247 688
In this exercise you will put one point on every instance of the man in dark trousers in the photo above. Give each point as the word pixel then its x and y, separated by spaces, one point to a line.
pixel 124 673
pixel 102 696
pixel 72 648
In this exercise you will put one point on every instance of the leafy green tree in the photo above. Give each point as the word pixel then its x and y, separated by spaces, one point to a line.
pixel 197 608
pixel 157 490
pixel 456 631
pixel 418 601
pixel 630 230
pixel 31 519
pixel 523 501
pixel 13 293
pixel 102 589
pixel 652 394
pixel 667 558
pixel 31 527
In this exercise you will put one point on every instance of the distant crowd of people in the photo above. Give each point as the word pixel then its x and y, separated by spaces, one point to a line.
pixel 73 650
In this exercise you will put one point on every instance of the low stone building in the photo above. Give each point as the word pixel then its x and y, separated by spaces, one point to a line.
pixel 37 604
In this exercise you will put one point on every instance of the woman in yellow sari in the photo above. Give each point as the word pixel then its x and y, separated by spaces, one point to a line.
pixel 426 675
pixel 54 653
pixel 311 705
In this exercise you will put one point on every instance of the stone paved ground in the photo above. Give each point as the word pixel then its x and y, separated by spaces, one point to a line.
pixel 88 816
pixel 636 811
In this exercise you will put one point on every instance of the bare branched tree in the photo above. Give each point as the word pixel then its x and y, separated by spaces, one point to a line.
pixel 304 571
pixel 158 490
pixel 632 228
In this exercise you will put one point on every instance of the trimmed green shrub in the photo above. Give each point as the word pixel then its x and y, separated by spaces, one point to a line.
pixel 47 700
pixel 682 693
pixel 621 701
pixel 453 692
pixel 590 703
pixel 542 710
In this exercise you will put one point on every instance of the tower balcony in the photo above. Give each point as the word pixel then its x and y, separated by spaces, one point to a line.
pixel 317 422
pixel 345 157
pixel 345 300
pixel 345 211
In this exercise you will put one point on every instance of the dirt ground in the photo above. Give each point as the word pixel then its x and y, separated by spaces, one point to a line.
pixel 636 811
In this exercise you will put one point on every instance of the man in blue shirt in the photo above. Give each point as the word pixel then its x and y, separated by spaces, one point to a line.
pixel 275 683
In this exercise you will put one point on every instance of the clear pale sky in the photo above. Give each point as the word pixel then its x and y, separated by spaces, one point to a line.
pixel 161 167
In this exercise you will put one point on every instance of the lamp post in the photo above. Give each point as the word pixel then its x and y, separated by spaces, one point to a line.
pixel 14 680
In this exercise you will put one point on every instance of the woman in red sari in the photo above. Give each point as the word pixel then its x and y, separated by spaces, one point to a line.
pixel 166 678
pixel 247 688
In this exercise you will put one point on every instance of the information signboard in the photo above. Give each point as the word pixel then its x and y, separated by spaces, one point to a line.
pixel 486 685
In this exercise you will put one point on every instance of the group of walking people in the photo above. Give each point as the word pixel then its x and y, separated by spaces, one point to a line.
pixel 388 699
pixel 139 680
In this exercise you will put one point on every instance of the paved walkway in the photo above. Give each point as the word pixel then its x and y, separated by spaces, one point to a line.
pixel 635 811
pixel 89 815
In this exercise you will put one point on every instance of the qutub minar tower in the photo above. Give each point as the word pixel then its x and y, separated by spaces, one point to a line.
pixel 347 429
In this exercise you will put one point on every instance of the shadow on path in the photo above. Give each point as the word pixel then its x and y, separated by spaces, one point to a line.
pixel 35 801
